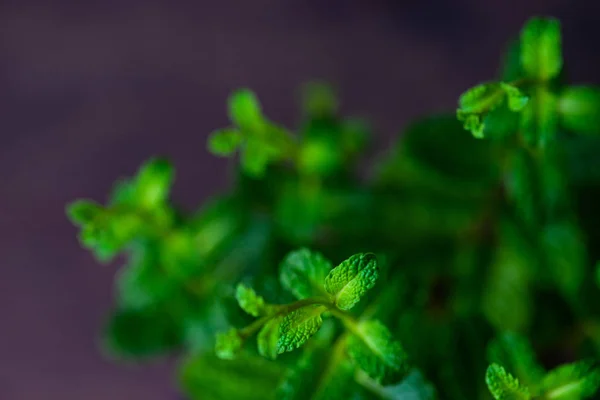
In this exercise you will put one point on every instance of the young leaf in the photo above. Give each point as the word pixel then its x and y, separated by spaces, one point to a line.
pixel 475 103
pixel 298 326
pixel 578 380
pixel 579 109
pixel 516 99
pixel 514 351
pixel 503 386
pixel 83 212
pixel 350 280
pixel 255 158
pixel 303 273
pixel 249 301
pixel 245 110
pixel 374 350
pixel 153 182
pixel 541 48
pixel 228 344
pixel 268 338
pixel 224 142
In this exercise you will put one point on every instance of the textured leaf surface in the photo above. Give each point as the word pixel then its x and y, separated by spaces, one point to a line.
pixel 503 386
pixel 375 351
pixel 350 280
pixel 298 326
pixel 303 273
pixel 249 301
pixel 515 352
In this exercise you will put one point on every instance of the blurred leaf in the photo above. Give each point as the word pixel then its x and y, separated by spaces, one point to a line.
pixel 206 377
pixel 541 48
pixel 330 374
pixel 224 142
pixel 579 109
pixel 565 250
pixel 374 350
pixel 303 273
pixel 141 334
pixel 319 100
pixel 578 380
pixel 153 182
pixel 507 296
pixel 245 110
pixel 228 344
pixel 515 352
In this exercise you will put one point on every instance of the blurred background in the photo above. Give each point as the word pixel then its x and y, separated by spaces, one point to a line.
pixel 90 89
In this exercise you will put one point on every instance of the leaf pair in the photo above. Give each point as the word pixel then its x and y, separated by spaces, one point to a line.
pixel 477 104
pixel 137 207
pixel 579 380
pixel 260 141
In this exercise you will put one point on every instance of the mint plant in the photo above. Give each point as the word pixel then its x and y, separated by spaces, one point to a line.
pixel 463 265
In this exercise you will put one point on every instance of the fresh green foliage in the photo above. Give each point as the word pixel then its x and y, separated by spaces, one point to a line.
pixel 503 385
pixel 466 260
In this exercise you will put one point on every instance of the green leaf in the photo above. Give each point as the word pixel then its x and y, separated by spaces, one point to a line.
pixel 564 248
pixel 245 110
pixel 224 142
pixel 507 297
pixel 319 374
pixel 153 182
pixel 268 338
pixel 541 48
pixel 514 351
pixel 228 344
pixel 475 103
pixel 83 212
pixel 255 158
pixel 303 273
pixel 142 283
pixel 579 109
pixel 374 350
pixel 522 186
pixel 413 387
pixel 437 155
pixel 141 334
pixel 503 386
pixel 578 380
pixel 350 280
pixel 516 99
pixel 206 377
pixel 249 301
pixel 298 326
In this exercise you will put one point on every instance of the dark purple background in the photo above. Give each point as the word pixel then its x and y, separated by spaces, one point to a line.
pixel 88 90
